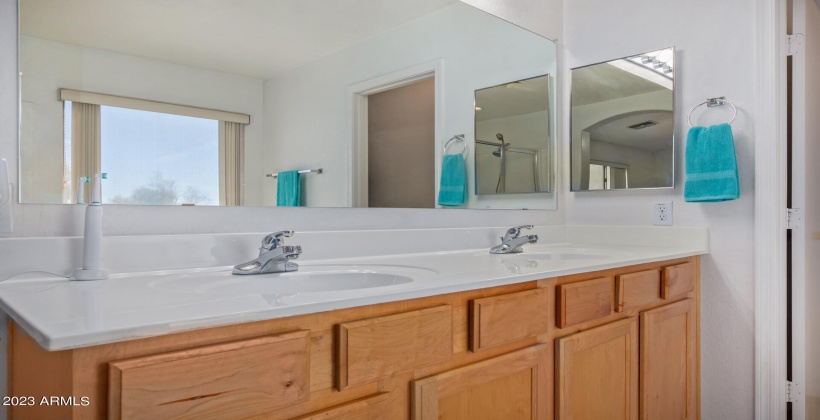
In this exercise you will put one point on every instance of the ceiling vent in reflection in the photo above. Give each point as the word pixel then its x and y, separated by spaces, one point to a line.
pixel 642 125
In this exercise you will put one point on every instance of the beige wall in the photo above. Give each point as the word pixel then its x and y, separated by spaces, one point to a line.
pixel 401 128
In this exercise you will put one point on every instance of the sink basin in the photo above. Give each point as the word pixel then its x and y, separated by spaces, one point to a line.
pixel 305 282
pixel 311 282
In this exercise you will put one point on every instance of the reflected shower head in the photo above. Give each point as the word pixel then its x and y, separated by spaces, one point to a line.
pixel 500 138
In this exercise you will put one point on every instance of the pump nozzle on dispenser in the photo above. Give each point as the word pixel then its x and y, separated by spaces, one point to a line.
pixel 92 241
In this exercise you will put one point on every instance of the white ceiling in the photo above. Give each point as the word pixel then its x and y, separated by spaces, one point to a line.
pixel 522 97
pixel 653 139
pixel 605 82
pixel 254 38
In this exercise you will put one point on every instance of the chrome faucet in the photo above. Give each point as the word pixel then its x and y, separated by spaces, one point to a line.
pixel 511 242
pixel 274 256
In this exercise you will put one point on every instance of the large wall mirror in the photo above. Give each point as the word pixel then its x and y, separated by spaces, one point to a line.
pixel 623 123
pixel 219 103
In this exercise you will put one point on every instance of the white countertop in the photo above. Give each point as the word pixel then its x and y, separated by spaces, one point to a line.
pixel 61 314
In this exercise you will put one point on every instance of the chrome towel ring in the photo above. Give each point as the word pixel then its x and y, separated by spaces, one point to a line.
pixel 711 103
pixel 458 138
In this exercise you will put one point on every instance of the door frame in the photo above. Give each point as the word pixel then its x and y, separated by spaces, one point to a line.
pixel 357 117
pixel 770 211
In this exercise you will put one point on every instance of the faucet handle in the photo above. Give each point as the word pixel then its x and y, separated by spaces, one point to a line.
pixel 275 239
pixel 513 232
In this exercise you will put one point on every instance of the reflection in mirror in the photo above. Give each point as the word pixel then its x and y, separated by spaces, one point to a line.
pixel 623 123
pixel 512 125
pixel 181 103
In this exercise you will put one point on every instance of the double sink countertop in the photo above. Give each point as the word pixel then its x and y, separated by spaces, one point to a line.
pixel 61 314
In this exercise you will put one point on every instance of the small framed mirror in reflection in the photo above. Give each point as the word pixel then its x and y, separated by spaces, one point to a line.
pixel 512 144
pixel 623 123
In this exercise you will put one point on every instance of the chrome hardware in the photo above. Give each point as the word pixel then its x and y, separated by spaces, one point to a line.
pixel 512 242
pixel 274 256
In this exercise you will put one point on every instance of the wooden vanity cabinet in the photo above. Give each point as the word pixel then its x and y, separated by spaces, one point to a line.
pixel 640 361
pixel 618 343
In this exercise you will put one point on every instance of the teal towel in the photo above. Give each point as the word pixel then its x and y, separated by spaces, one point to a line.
pixel 711 165
pixel 288 190
pixel 453 186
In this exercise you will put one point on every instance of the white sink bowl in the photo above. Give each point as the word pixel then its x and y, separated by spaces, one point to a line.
pixel 304 282
pixel 309 284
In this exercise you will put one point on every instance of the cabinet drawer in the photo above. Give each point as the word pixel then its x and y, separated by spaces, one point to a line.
pixel 373 348
pixel 503 319
pixel 678 280
pixel 637 289
pixel 584 301
pixel 237 379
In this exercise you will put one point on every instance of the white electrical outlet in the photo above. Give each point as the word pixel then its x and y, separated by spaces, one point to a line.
pixel 662 213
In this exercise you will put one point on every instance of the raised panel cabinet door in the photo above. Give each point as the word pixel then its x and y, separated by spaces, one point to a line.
pixel 668 368
pixel 510 386
pixel 230 380
pixel 597 373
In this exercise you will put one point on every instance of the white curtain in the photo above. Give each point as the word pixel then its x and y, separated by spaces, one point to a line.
pixel 231 162
pixel 85 144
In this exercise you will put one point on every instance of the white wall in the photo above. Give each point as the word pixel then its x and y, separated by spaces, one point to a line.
pixel 48 66
pixel 306 128
pixel 716 57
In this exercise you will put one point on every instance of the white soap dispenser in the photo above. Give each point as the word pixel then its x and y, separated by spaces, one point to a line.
pixel 92 241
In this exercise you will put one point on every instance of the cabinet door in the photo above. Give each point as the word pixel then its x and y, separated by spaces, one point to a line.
pixel 510 386
pixel 668 362
pixel 597 373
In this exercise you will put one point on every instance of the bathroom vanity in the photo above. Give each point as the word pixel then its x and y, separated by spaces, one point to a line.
pixel 559 331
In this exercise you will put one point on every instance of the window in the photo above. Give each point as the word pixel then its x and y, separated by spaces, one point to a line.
pixel 180 157
pixel 608 176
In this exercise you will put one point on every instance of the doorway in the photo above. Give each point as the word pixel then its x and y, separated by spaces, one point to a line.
pixel 359 96
pixel 401 128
